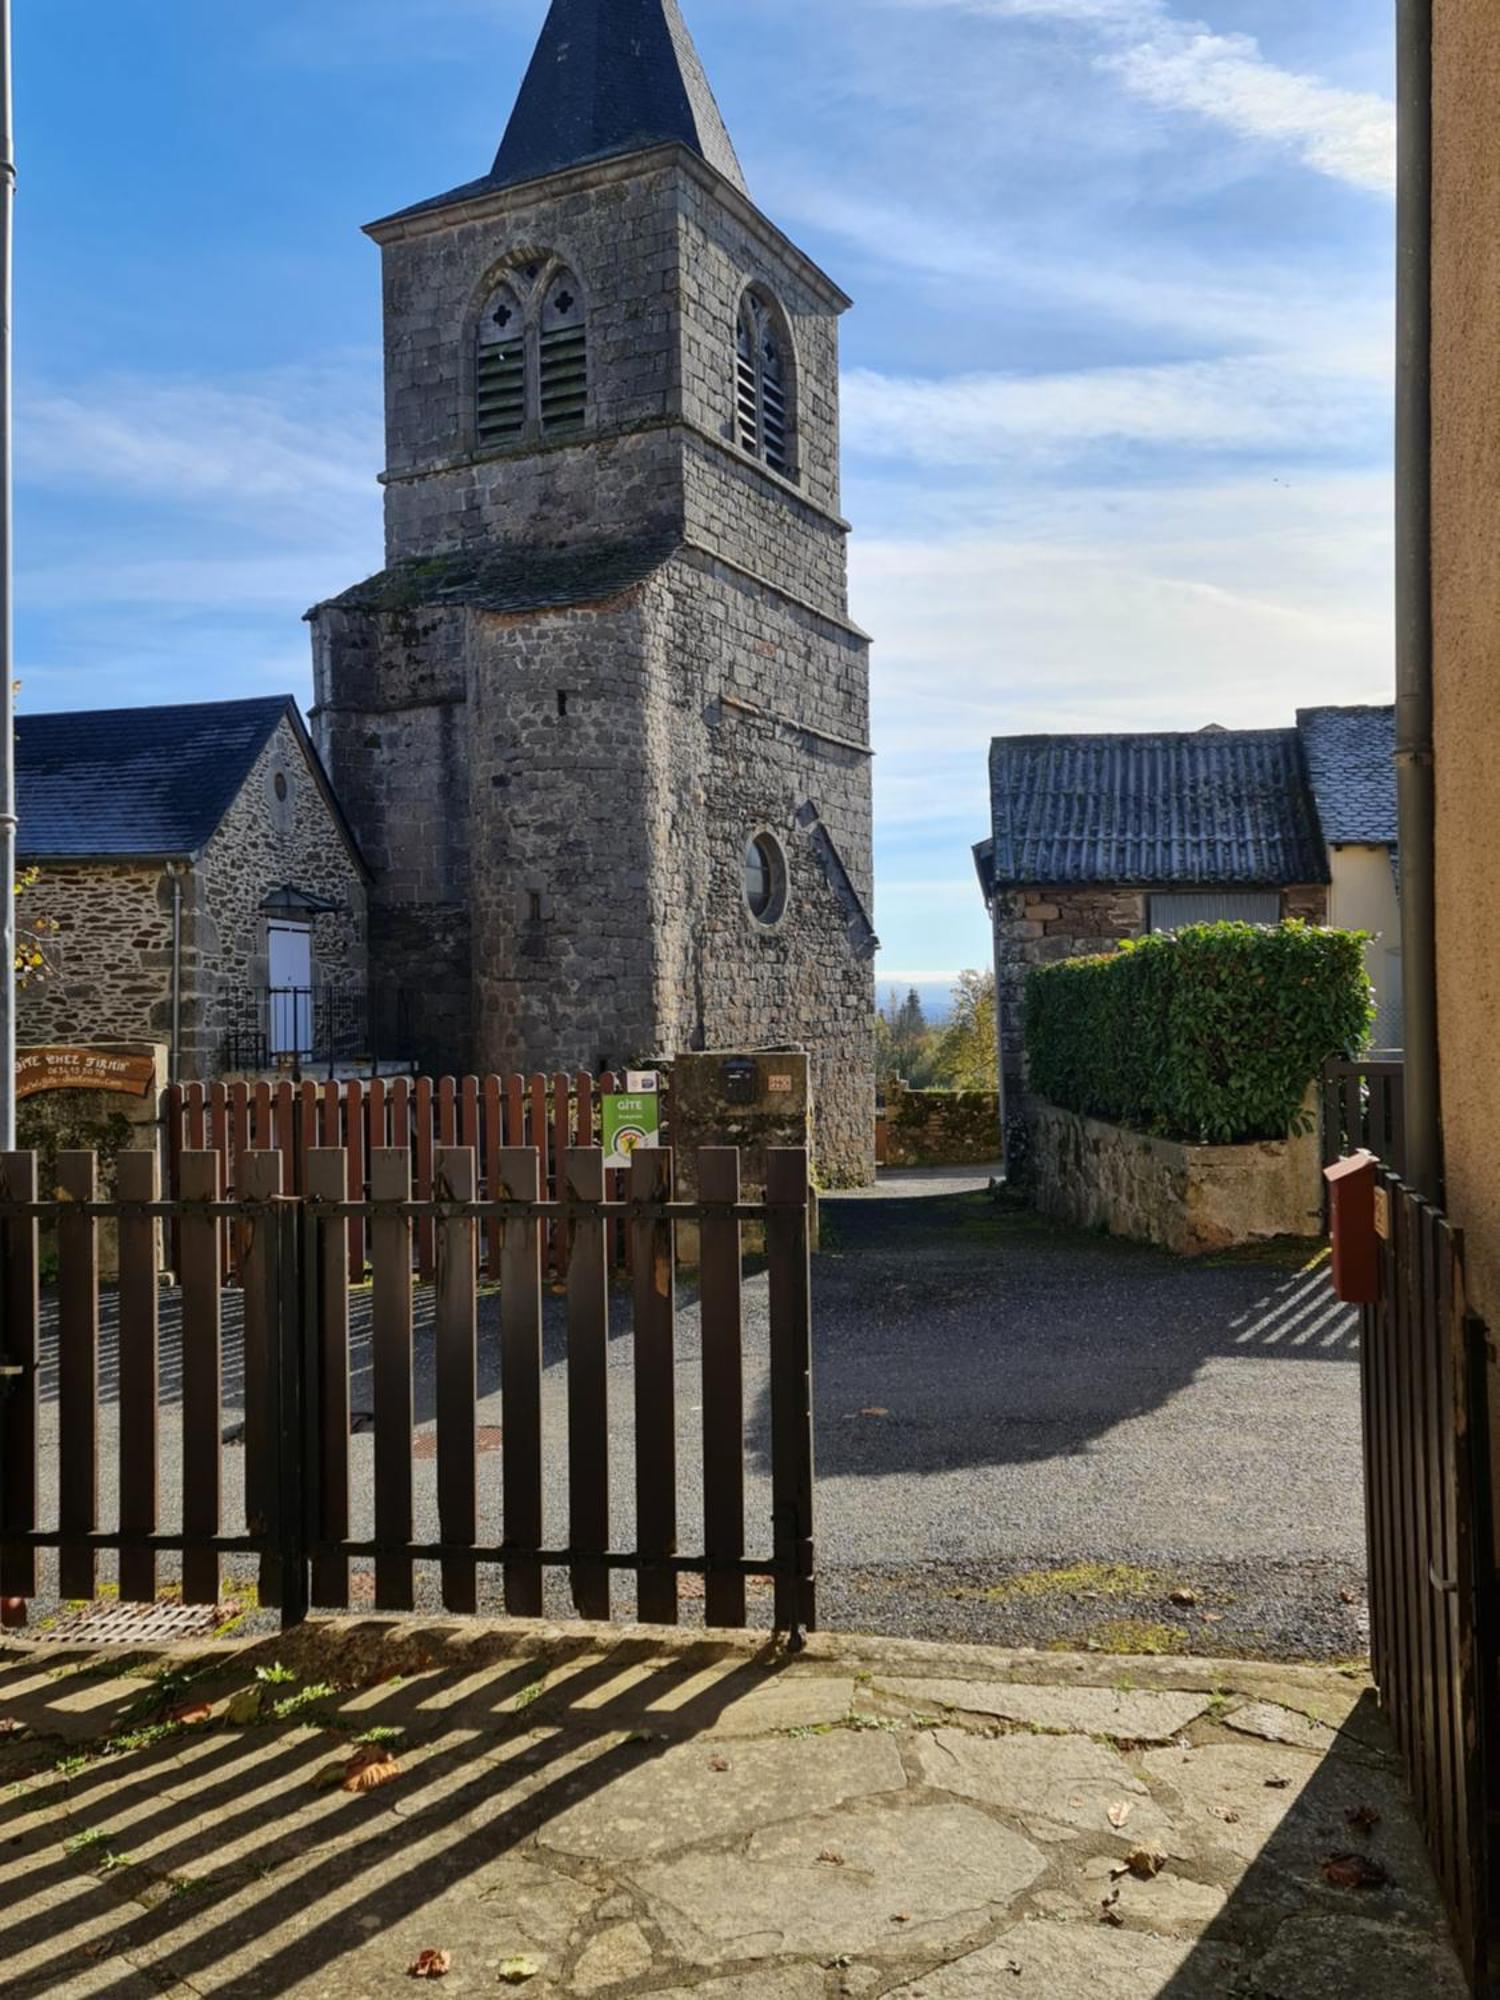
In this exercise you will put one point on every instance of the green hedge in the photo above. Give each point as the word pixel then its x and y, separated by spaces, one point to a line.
pixel 1211 1035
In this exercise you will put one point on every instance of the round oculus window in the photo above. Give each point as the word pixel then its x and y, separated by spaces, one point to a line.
pixel 765 879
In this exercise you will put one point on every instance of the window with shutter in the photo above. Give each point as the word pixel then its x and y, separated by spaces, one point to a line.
pixel 562 372
pixel 763 386
pixel 500 380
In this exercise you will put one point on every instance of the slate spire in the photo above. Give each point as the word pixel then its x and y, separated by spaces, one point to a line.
pixel 611 77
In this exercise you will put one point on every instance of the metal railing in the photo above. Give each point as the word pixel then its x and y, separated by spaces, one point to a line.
pixel 302 1028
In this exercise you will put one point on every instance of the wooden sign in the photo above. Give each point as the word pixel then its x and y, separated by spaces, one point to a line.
pixel 1383 1214
pixel 40 1070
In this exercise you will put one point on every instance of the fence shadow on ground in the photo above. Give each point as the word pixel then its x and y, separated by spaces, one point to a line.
pixel 214 1854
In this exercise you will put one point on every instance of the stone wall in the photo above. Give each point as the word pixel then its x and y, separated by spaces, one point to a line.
pixel 106 1123
pixel 940 1128
pixel 1189 1199
pixel 109 960
pixel 265 843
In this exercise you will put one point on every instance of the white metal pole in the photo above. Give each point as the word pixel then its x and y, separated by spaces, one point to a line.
pixel 7 609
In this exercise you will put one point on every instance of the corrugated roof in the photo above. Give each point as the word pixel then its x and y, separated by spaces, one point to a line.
pixel 1351 755
pixel 1171 811
pixel 609 77
pixel 501 578
pixel 143 783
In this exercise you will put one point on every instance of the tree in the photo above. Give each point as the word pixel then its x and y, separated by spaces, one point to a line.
pixel 904 1044
pixel 967 1055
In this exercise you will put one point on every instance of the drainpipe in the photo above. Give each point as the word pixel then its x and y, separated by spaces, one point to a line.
pixel 1415 779
pixel 175 1061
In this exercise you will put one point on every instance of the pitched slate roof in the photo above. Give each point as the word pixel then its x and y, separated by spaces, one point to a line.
pixel 609 77
pixel 141 783
pixel 1351 755
pixel 500 578
pixel 1223 807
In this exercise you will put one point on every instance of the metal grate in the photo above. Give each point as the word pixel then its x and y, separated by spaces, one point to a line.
pixel 108 1623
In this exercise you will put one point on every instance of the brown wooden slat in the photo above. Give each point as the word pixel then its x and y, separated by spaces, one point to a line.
pixel 588 1386
pixel 515 1112
pixel 202 1378
pixel 218 1136
pixel 377 1131
pixel 286 1132
pixel 239 1145
pixel 493 1138
pixel 262 1179
pixel 468 1122
pixel 20 1318
pixel 355 1116
pixel 400 1111
pixel 422 1125
pixel 1442 1412
pixel 307 1132
pixel 655 1301
pixel 196 1126
pixel 588 1133
pixel 457 1179
pixel 447 1112
pixel 521 1381
pixel 390 1180
pixel 327 1179
pixel 787 1255
pixel 537 1122
pixel 557 1164
pixel 139 1179
pixel 175 1115
pixel 720 1278
pixel 262 1119
pixel 77 1373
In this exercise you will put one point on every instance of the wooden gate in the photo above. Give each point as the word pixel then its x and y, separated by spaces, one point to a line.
pixel 1364 1110
pixel 1428 1490
pixel 294 1255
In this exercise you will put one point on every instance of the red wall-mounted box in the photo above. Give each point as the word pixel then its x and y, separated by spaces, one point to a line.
pixel 1356 1241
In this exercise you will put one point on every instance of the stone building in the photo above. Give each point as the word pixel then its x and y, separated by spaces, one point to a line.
pixel 1097 839
pixel 199 883
pixel 601 724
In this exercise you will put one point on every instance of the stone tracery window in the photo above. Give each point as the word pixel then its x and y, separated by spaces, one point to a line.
pixel 531 370
pixel 763 384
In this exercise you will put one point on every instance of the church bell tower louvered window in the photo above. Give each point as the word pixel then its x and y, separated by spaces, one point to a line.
pixel 531 371
pixel 763 407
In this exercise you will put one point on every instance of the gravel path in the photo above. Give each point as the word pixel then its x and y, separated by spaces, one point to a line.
pixel 995 1398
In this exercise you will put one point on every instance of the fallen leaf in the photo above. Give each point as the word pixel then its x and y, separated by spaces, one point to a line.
pixel 245 1707
pixel 191 1715
pixel 370 1770
pixel 718 1763
pixel 1226 1813
pixel 1110 1912
pixel 902 1917
pixel 1182 1595
pixel 1349 1596
pixel 1119 1812
pixel 430 1965
pixel 1354 1871
pixel 328 1777
pixel 9 1726
pixel 516 1971
pixel 875 1413
pixel 832 1856
pixel 1146 1862
pixel 1362 1819
pixel 1277 1784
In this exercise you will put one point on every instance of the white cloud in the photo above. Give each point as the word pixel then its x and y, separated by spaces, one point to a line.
pixel 1184 65
pixel 1296 402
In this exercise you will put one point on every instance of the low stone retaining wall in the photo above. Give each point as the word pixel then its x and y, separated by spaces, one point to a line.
pixel 939 1128
pixel 1189 1199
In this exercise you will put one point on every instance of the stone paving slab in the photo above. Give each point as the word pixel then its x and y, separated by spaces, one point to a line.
pixel 592 1813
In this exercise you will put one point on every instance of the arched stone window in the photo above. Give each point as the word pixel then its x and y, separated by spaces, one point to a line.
pixel 763 385
pixel 531 369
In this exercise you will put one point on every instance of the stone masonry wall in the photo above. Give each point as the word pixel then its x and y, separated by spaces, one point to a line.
pixel 1189 1199
pixel 263 844
pixel 940 1128
pixel 109 976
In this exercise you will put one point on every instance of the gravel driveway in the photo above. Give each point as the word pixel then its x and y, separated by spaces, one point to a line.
pixel 1176 1446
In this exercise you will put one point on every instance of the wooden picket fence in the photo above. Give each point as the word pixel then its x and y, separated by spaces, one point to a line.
pixel 423 1114
pixel 294 1255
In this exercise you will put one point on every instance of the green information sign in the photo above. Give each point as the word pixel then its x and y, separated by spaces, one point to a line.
pixel 631 1123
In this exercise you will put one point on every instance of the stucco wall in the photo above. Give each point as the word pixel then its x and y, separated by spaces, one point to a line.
pixel 1363 898
pixel 1466 558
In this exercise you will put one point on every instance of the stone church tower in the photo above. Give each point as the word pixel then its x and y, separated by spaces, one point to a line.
pixel 602 723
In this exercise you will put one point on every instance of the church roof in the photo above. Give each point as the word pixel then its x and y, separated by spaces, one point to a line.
pixel 609 77
pixel 498 577
pixel 125 784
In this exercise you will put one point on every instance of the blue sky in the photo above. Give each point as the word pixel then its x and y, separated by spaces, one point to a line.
pixel 1117 393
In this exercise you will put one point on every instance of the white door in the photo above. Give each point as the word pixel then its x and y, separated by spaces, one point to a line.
pixel 289 966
